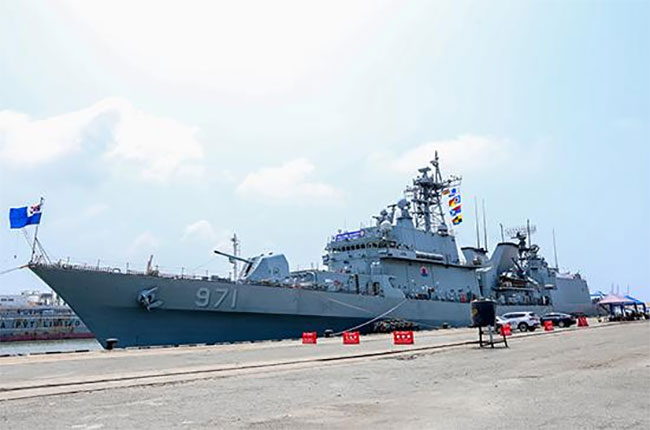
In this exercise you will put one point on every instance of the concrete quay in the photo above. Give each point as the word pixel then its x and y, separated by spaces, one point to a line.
pixel 596 377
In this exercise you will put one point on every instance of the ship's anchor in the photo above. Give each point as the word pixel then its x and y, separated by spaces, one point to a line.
pixel 147 299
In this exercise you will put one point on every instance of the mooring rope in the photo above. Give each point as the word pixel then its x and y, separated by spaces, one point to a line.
pixel 374 319
pixel 11 270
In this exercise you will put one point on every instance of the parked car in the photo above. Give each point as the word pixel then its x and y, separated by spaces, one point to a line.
pixel 559 319
pixel 523 321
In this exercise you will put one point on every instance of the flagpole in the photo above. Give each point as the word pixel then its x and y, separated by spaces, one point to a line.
pixel 476 221
pixel 485 234
pixel 40 205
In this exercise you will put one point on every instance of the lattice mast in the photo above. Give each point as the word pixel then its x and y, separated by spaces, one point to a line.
pixel 427 199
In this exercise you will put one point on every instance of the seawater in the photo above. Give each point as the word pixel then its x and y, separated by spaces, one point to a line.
pixel 43 346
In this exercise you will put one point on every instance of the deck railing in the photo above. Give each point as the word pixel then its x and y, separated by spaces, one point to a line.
pixel 127 268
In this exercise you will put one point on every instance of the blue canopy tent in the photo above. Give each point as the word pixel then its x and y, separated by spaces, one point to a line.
pixel 637 302
pixel 617 306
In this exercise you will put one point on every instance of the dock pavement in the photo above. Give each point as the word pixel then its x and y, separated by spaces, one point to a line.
pixel 594 377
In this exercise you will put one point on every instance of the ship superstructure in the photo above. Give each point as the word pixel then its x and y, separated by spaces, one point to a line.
pixel 407 266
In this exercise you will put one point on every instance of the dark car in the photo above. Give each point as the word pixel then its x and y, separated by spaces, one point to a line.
pixel 559 319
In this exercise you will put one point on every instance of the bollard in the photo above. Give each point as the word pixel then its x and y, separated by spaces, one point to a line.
pixel 309 337
pixel 403 338
pixel 548 325
pixel 351 338
pixel 110 343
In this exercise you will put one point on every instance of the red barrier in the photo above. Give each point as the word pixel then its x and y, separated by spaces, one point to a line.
pixel 351 338
pixel 309 337
pixel 548 325
pixel 403 338
pixel 506 330
pixel 582 322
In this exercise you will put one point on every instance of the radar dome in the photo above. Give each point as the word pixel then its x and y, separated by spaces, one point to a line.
pixel 385 226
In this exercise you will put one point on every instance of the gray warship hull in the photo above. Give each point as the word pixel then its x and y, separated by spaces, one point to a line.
pixel 406 267
pixel 107 302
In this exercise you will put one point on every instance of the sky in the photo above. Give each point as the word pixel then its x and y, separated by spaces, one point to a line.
pixel 163 127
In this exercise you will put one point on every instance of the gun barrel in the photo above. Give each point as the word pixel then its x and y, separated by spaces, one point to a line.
pixel 234 257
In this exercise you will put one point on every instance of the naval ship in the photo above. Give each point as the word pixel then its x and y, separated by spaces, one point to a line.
pixel 41 323
pixel 406 267
pixel 33 315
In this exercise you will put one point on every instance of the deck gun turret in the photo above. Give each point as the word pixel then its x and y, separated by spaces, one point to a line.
pixel 271 268
pixel 233 259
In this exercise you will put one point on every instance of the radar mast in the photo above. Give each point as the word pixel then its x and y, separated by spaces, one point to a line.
pixel 426 197
pixel 235 252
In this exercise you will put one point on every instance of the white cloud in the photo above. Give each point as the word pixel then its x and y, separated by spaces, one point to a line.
pixel 203 231
pixel 95 209
pixel 145 243
pixel 160 146
pixel 200 230
pixel 288 181
pixel 30 142
pixel 223 45
pixel 464 153
pixel 223 241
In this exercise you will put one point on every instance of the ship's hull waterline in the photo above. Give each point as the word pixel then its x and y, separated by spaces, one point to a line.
pixel 18 328
pixel 195 311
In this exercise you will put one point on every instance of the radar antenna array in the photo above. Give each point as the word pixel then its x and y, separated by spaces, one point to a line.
pixel 526 230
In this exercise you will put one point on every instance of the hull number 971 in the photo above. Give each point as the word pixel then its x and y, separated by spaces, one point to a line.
pixel 215 297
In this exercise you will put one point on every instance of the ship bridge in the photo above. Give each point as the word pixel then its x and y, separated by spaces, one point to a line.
pixel 412 229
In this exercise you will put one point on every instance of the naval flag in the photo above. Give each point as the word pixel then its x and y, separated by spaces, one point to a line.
pixel 20 217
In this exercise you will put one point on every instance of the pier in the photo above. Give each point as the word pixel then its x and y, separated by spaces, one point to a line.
pixel 569 378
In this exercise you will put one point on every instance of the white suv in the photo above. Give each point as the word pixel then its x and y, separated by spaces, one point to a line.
pixel 524 321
